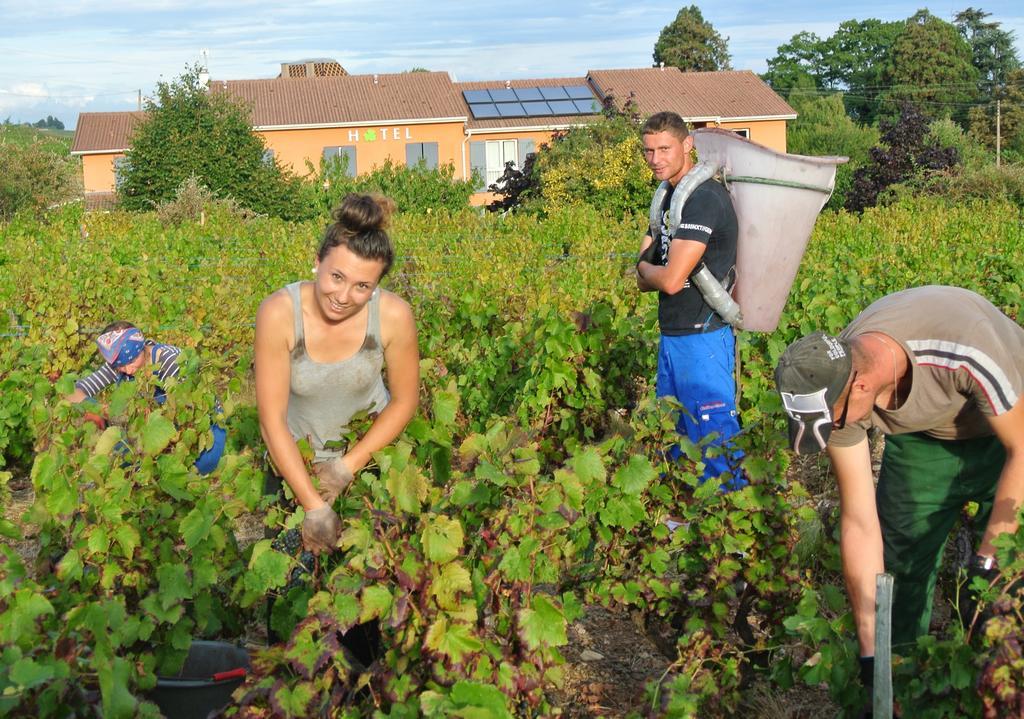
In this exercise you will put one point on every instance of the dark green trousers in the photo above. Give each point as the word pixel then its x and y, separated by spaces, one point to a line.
pixel 923 485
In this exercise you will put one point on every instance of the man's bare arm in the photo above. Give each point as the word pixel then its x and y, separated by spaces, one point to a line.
pixel 860 536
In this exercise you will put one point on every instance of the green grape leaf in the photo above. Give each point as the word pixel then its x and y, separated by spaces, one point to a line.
pixel 408 487
pixel 633 477
pixel 442 539
pixel 157 434
pixel 542 624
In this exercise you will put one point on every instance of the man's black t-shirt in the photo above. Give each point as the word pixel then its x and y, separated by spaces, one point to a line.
pixel 707 217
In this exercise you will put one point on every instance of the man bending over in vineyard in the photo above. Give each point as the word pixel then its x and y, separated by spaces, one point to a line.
pixel 126 352
pixel 696 354
pixel 940 371
pixel 320 348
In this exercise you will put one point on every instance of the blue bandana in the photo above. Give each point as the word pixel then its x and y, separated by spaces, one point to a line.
pixel 119 347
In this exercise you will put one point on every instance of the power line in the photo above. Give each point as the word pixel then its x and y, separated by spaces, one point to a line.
pixel 38 96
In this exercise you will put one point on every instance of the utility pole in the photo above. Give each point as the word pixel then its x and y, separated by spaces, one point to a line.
pixel 998 135
pixel 140 100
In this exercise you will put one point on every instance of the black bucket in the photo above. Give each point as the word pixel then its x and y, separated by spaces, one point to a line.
pixel 212 671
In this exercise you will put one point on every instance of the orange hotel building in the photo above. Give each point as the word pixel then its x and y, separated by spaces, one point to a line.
pixel 303 116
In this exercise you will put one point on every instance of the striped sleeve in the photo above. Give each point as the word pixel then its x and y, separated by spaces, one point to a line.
pixel 91 385
pixel 997 394
pixel 167 362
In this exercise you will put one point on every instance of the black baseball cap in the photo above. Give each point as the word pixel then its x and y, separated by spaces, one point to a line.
pixel 810 377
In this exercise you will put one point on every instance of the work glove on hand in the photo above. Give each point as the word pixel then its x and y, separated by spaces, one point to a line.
pixel 648 254
pixel 334 476
pixel 321 529
pixel 867 680
pixel 98 420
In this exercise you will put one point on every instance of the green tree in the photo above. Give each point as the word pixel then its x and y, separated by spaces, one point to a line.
pixel 802 57
pixel 982 120
pixel 600 164
pixel 992 50
pixel 191 131
pixel 855 61
pixel 691 43
pixel 822 127
pixel 33 176
pixel 852 59
pixel 930 66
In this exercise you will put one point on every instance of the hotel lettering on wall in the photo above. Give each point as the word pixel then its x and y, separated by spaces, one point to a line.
pixel 381 133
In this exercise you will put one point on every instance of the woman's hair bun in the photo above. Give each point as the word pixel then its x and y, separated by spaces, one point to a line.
pixel 361 213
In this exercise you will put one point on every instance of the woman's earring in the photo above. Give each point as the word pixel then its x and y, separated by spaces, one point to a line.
pixel 314 270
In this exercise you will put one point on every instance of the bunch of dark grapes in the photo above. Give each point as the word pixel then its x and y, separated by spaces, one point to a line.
pixel 290 542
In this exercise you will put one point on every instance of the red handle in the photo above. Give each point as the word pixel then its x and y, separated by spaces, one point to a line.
pixel 231 674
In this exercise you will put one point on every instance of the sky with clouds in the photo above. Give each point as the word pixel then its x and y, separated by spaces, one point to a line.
pixel 76 56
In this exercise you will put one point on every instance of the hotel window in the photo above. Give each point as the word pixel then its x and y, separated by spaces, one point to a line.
pixel 499 152
pixel 120 165
pixel 346 154
pixel 421 152
pixel 488 158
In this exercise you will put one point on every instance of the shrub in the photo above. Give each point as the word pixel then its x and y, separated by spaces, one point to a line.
pixel 192 201
pixel 986 182
pixel 903 154
pixel 822 127
pixel 34 177
pixel 190 130
pixel 971 151
pixel 600 164
pixel 414 189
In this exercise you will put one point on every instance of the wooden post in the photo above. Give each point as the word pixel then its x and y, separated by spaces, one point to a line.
pixel 882 699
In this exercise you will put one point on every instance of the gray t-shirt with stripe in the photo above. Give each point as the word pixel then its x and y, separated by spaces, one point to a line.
pixel 324 396
pixel 967 363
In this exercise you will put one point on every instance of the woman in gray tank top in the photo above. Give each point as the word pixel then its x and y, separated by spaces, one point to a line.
pixel 320 350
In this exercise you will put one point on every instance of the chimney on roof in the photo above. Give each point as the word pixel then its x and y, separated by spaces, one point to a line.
pixel 375 78
pixel 662 64
pixel 508 84
pixel 204 69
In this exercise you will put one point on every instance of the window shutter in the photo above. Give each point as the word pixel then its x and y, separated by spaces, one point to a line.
pixel 478 163
pixel 349 153
pixel 430 155
pixel 525 148
pixel 413 153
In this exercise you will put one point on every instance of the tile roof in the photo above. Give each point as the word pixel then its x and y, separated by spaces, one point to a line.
pixel 311 101
pixel 726 94
pixel 425 96
pixel 557 121
pixel 104 131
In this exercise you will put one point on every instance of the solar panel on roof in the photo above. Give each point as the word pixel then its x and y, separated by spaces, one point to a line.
pixel 484 110
pixel 528 94
pixel 474 96
pixel 537 109
pixel 553 93
pixel 563 107
pixel 503 95
pixel 587 107
pixel 510 109
pixel 578 92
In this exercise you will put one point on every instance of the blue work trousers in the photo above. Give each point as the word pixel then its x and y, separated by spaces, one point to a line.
pixel 697 369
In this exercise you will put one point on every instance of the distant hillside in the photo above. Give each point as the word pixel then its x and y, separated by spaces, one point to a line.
pixel 57 141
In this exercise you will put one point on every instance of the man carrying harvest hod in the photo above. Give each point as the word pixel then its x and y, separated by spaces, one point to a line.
pixel 696 353
pixel 940 371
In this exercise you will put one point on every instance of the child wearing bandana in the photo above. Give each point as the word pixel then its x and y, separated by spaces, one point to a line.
pixel 125 352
